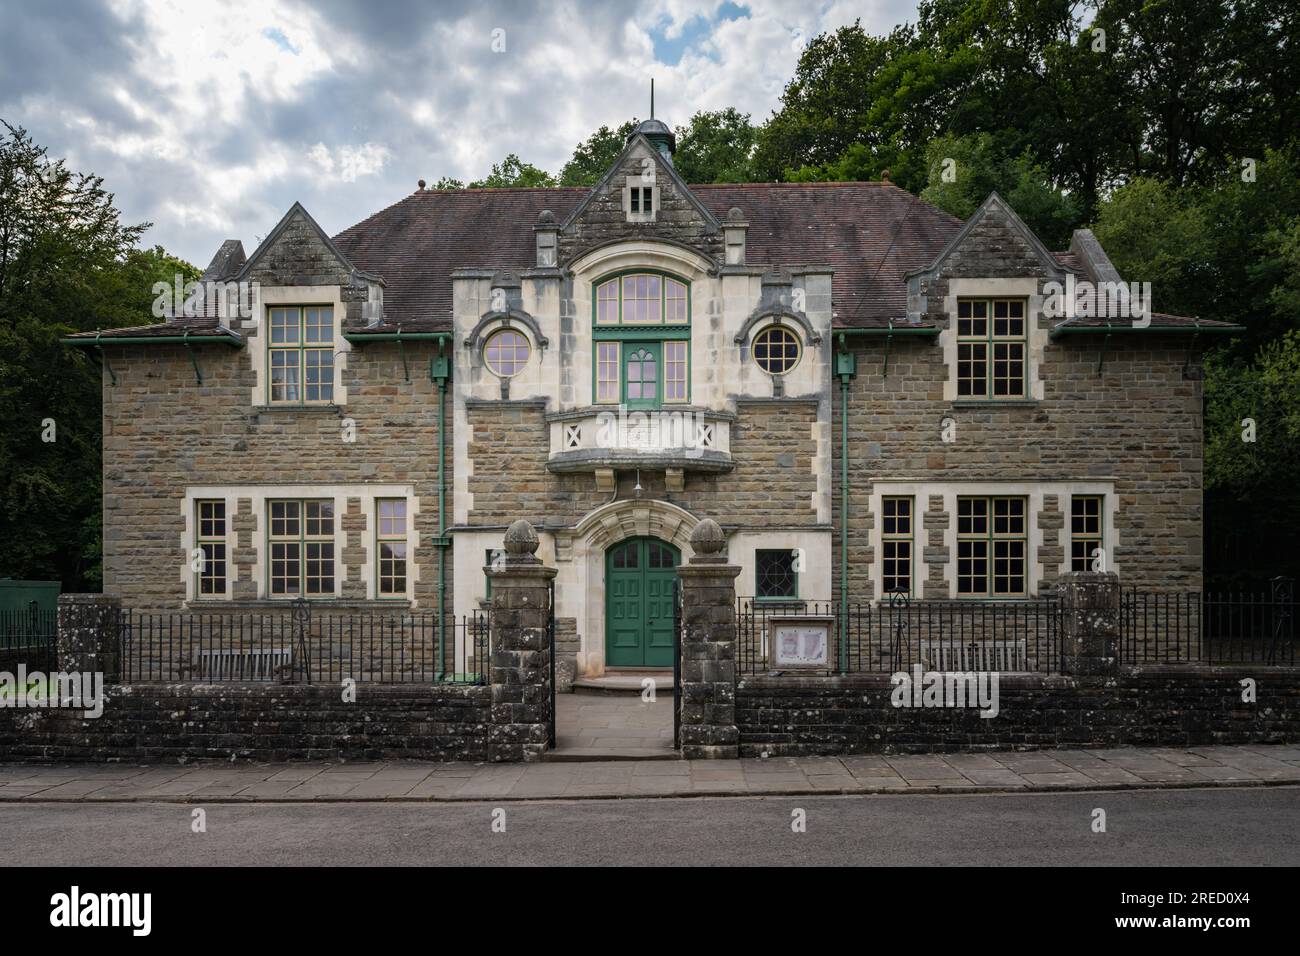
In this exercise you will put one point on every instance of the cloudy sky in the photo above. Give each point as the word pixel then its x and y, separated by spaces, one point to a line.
pixel 210 119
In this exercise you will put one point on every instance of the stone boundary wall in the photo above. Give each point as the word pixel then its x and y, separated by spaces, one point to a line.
pixel 180 722
pixel 1149 706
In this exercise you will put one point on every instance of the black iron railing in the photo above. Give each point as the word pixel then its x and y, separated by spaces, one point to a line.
pixel 304 647
pixel 1191 627
pixel 28 636
pixel 1026 635
pixel 897 634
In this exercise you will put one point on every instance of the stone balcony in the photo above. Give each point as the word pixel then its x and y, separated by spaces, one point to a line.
pixel 606 439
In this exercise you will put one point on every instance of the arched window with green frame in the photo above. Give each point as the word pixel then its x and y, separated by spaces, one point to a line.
pixel 641 339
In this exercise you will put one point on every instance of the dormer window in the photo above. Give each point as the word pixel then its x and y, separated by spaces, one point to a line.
pixel 301 355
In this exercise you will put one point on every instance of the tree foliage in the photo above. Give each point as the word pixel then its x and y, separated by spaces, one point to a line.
pixel 67 264
pixel 593 156
pixel 716 147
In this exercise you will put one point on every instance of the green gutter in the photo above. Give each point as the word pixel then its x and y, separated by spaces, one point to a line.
pixel 152 340
pixel 361 338
pixel 1148 330
pixel 888 332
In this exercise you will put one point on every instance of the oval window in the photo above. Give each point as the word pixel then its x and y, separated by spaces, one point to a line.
pixel 506 353
pixel 776 350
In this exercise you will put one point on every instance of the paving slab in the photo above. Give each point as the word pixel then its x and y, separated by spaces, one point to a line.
pixel 606 776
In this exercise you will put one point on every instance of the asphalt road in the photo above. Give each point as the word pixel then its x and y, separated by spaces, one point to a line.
pixel 1227 827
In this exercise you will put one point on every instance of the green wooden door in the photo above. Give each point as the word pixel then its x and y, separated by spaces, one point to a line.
pixel 639 575
pixel 642 374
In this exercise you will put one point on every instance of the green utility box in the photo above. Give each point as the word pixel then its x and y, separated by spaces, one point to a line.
pixel 19 595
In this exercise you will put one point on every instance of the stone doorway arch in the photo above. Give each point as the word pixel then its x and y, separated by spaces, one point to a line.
pixel 580 559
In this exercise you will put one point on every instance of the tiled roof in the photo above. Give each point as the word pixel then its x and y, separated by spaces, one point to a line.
pixel 870 234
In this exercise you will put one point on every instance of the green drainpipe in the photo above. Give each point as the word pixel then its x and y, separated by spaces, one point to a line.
pixel 845 368
pixel 440 371
pixel 442 516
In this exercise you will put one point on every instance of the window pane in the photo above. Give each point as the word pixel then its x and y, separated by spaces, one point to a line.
pixel 776 350
pixel 774 574
pixel 319 325
pixel 607 371
pixel 319 374
pixel 674 301
pixel 320 518
pixel 506 353
pixel 675 371
pixel 284 375
pixel 284 326
pixel 607 301
pixel 285 567
pixel 285 516
pixel 392 517
pixel 320 567
pixel 641 298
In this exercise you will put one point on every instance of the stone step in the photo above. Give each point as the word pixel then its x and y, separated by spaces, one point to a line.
pixel 587 754
pixel 624 682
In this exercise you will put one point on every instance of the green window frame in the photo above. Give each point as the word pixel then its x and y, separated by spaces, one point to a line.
pixel 300 354
pixel 391 569
pixel 775 574
pixel 1086 529
pixel 640 298
pixel 992 348
pixel 641 317
pixel 210 538
pixel 897 543
pixel 992 546
pixel 300 547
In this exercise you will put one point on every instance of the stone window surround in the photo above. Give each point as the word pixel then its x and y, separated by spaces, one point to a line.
pixel 747 348
pixel 1035 491
pixel 304 295
pixel 260 494
pixel 642 215
pixel 1035 337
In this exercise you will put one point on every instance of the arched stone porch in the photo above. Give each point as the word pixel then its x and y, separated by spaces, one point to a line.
pixel 580 561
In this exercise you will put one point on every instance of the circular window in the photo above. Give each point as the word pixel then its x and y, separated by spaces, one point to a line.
pixel 506 353
pixel 776 350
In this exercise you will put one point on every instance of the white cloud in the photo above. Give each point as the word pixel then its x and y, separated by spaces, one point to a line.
pixel 210 120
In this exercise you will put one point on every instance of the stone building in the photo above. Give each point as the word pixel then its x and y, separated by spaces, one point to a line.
pixel 868 395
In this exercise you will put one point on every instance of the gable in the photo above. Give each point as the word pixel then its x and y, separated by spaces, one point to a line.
pixel 601 218
pixel 299 253
pixel 993 243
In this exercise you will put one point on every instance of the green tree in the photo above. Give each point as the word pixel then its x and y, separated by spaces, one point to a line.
pixel 716 147
pixel 67 264
pixel 1155 233
pixel 512 171
pixel 965 169
pixel 592 157
pixel 853 91
pixel 1252 454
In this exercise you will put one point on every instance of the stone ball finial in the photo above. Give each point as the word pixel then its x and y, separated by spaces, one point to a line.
pixel 421 183
pixel 521 538
pixel 547 218
pixel 735 215
pixel 707 538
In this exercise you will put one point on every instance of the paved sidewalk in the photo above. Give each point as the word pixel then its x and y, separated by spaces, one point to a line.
pixel 1127 768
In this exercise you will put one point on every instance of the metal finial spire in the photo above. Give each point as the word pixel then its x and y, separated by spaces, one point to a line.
pixel 652 97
